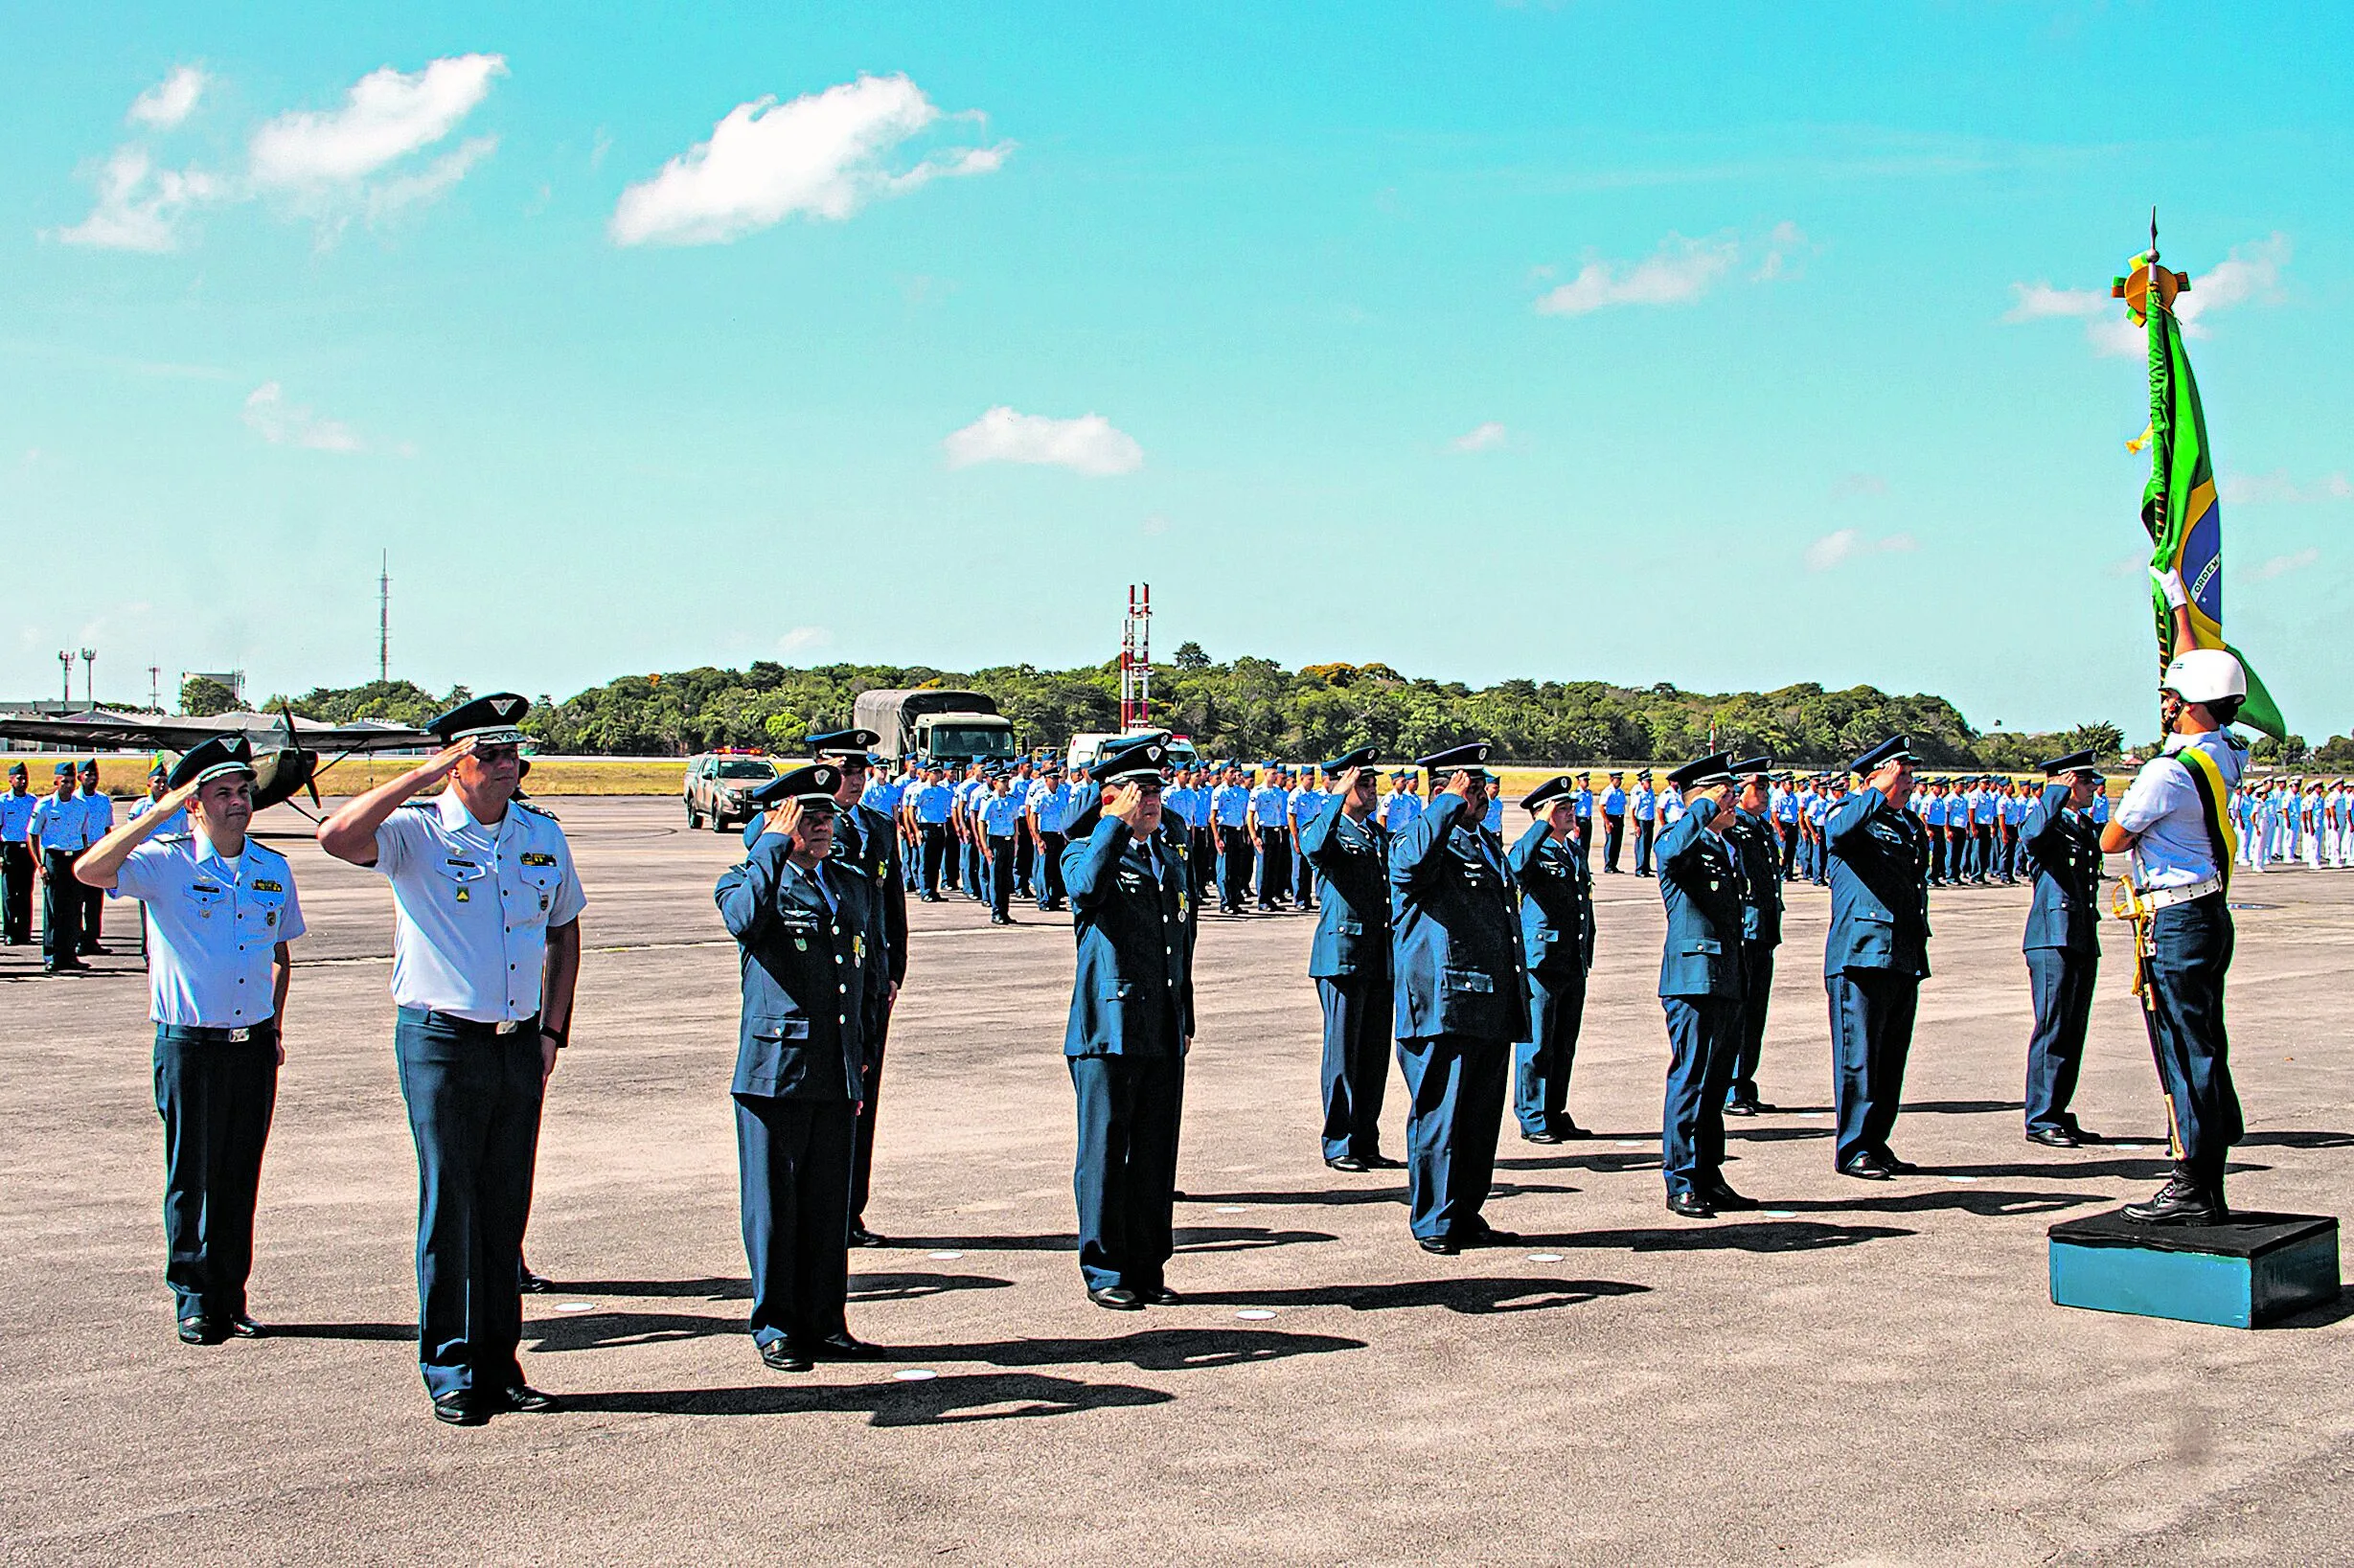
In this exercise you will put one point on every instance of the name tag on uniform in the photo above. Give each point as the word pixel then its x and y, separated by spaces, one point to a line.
pixel 535 858
pixel 261 886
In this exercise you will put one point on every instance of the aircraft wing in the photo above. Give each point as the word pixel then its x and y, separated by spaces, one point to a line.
pixel 108 730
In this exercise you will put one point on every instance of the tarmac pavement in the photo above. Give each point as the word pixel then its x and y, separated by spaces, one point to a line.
pixel 1865 1373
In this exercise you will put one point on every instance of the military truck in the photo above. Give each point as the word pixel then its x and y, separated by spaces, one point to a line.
pixel 932 725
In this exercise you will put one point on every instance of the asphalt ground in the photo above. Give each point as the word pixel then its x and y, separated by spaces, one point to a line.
pixel 1865 1373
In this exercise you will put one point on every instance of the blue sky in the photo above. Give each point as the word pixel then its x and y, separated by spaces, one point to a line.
pixel 1723 345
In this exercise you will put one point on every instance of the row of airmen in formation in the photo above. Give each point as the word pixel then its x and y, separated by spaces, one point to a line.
pixel 2292 821
pixel 1438 945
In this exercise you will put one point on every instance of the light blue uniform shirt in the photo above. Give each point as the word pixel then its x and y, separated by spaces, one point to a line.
pixel 1614 801
pixel 16 816
pixel 932 803
pixel 1306 801
pixel 1785 803
pixel 1646 803
pixel 1001 814
pixel 1494 818
pixel 1400 809
pixel 213 928
pixel 882 795
pixel 2161 806
pixel 2015 810
pixel 97 815
pixel 1052 802
pixel 176 823
pixel 60 825
pixel 1271 805
pixel 1933 813
pixel 473 905
pixel 1230 806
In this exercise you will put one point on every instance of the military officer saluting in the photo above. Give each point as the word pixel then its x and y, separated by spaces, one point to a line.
pixel 486 951
pixel 1876 955
pixel 2174 819
pixel 1131 1022
pixel 1751 835
pixel 2063 850
pixel 1350 961
pixel 862 837
pixel 814 973
pixel 221 909
pixel 1462 998
pixel 1699 986
pixel 1557 937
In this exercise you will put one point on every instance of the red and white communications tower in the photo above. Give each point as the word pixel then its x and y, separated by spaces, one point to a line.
pixel 1136 659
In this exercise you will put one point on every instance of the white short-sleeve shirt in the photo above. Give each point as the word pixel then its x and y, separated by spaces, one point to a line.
pixel 2161 808
pixel 474 902
pixel 213 928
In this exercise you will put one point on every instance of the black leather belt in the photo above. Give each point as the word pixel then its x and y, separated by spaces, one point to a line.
pixel 468 1028
pixel 200 1035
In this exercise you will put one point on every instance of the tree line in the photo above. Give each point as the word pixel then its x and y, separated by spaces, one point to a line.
pixel 1253 708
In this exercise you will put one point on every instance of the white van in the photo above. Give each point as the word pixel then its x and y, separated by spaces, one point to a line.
pixel 1086 748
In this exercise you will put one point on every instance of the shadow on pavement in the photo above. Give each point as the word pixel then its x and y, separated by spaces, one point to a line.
pixel 1601 1161
pixel 604 1331
pixel 2154 1167
pixel 1238 1237
pixel 1749 1133
pixel 1983 1203
pixel 2322 1316
pixel 386 1331
pixel 1328 1198
pixel 712 1289
pixel 1148 1350
pixel 1741 1236
pixel 1962 1107
pixel 938 1402
pixel 2299 1140
pixel 1473 1298
pixel 915 1286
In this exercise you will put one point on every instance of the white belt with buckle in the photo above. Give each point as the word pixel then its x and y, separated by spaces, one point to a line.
pixel 2165 897
pixel 237 1037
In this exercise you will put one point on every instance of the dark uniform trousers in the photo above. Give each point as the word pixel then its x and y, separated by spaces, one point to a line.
pixel 2185 1019
pixel 92 915
pixel 870 1093
pixel 1234 856
pixel 61 906
pixel 2061 982
pixel 1646 830
pixel 1359 1009
pixel 1125 1178
pixel 214 1096
pixel 1704 1033
pixel 16 892
pixel 1788 831
pixel 795 1158
pixel 1455 1084
pixel 1750 1040
pixel 1871 1036
pixel 1937 854
pixel 474 1099
pixel 1610 843
pixel 1556 1010
pixel 1201 866
pixel 1025 851
pixel 1274 865
pixel 935 856
pixel 1051 894
pixel 1002 873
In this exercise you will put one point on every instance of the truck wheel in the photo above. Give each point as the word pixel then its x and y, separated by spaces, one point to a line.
pixel 718 822
pixel 695 818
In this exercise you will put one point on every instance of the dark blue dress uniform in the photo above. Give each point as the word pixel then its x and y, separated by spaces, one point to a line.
pixel 866 838
pixel 1349 962
pixel 2063 947
pixel 1130 1020
pixel 1462 1001
pixel 1873 963
pixel 1699 991
pixel 814 976
pixel 1557 937
pixel 1758 848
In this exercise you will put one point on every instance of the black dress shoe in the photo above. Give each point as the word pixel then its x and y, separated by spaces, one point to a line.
pixel 245 1328
pixel 1864 1167
pixel 1690 1205
pixel 1725 1197
pixel 525 1400
pixel 2084 1137
pixel 861 1236
pixel 1543 1135
pixel 1439 1246
pixel 2053 1138
pixel 1488 1236
pixel 530 1283
pixel 1349 1163
pixel 1741 1108
pixel 784 1356
pixel 849 1347
pixel 2179 1203
pixel 1161 1295
pixel 1566 1130
pixel 459 1408
pixel 1898 1168
pixel 1117 1297
pixel 1383 1162
pixel 199 1329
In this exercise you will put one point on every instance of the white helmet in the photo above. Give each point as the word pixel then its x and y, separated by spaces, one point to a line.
pixel 2205 675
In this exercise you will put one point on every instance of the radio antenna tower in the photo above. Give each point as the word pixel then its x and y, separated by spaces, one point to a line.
pixel 383 621
pixel 1136 659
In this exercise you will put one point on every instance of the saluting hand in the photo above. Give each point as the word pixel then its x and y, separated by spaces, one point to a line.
pixel 442 764
pixel 1125 801
pixel 785 819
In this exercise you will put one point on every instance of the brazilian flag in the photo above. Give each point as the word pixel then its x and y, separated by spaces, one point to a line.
pixel 2178 506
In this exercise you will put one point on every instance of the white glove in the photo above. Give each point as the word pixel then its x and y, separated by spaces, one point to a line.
pixel 2169 582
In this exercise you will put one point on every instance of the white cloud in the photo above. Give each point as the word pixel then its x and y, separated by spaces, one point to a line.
pixel 385 117
pixel 1679 272
pixel 1848 544
pixel 280 423
pixel 2251 272
pixel 2245 489
pixel 139 205
pixel 169 101
pixel 1089 445
pixel 822 155
pixel 412 190
pixel 801 639
pixel 1482 438
pixel 2264 571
